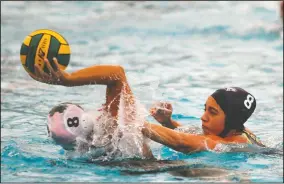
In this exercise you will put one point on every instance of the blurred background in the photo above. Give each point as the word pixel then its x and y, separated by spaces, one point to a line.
pixel 179 52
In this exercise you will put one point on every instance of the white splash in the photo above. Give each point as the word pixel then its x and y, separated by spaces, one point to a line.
pixel 252 148
pixel 128 139
pixel 115 138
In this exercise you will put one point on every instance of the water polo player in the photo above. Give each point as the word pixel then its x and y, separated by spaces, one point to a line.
pixel 225 113
pixel 69 124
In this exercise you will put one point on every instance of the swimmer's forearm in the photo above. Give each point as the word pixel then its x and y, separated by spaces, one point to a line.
pixel 177 140
pixel 99 74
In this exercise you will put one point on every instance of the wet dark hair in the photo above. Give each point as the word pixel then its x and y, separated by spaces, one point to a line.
pixel 237 104
pixel 61 107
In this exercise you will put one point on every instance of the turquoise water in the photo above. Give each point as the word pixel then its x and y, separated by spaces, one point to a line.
pixel 172 51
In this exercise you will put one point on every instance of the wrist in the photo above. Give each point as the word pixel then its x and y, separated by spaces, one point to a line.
pixel 166 122
pixel 67 79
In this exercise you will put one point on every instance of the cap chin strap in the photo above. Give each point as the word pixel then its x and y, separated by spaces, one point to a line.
pixel 226 130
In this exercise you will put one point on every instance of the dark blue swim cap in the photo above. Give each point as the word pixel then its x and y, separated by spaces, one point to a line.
pixel 237 104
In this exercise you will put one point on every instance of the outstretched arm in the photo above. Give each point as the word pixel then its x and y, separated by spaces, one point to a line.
pixel 111 76
pixel 179 141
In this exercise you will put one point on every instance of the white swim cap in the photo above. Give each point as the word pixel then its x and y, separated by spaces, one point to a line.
pixel 67 122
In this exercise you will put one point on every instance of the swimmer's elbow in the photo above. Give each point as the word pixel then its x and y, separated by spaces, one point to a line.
pixel 120 71
pixel 120 68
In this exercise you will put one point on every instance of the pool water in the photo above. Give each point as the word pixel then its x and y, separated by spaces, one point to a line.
pixel 171 51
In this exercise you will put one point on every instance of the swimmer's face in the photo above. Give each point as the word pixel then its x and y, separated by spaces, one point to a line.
pixel 67 122
pixel 213 118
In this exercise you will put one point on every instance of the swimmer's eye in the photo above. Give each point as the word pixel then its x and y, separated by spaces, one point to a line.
pixel 212 111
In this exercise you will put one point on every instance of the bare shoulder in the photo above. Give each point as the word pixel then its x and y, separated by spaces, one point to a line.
pixel 227 140
pixel 236 139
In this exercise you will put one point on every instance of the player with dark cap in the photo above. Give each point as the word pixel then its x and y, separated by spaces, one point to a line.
pixel 225 113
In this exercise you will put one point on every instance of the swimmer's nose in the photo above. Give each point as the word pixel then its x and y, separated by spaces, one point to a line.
pixel 204 117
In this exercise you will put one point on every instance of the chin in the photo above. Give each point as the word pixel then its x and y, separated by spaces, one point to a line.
pixel 205 132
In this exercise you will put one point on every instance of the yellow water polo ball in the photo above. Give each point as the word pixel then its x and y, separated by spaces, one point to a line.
pixel 42 44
